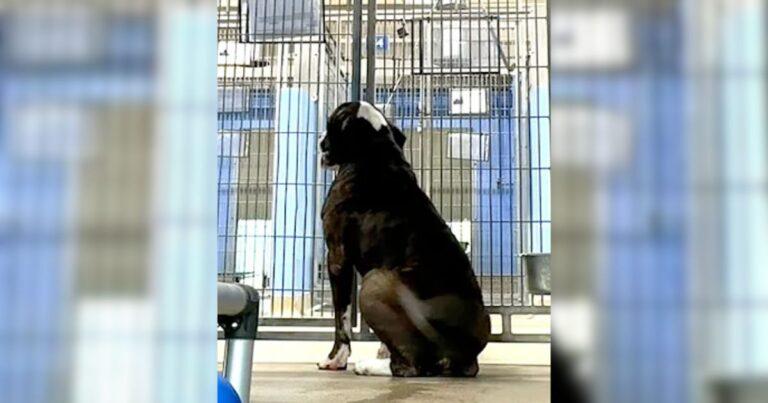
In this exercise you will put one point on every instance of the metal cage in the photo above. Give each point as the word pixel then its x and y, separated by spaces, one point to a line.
pixel 468 83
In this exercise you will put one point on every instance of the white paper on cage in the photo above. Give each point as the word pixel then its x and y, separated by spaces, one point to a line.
pixel 468 146
pixel 283 18
pixel 253 253
pixel 469 101
pixel 461 45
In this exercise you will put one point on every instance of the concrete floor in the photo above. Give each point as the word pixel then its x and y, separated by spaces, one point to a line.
pixel 304 383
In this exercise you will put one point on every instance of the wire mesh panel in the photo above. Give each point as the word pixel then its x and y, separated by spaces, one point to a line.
pixel 282 69
pixel 467 81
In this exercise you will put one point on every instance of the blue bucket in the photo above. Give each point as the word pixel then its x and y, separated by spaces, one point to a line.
pixel 226 393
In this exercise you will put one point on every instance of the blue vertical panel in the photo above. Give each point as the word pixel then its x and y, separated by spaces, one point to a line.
pixel 540 218
pixel 493 190
pixel 294 197
pixel 228 168
pixel 740 348
pixel 35 291
pixel 184 352
pixel 32 312
pixel 642 283
pixel 240 111
pixel 646 289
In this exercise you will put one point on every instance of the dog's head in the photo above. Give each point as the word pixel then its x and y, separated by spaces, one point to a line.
pixel 357 131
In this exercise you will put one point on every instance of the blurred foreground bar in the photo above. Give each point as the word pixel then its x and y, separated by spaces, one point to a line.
pixel 107 202
pixel 660 204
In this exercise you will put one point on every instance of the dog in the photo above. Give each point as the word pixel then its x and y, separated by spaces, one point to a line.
pixel 419 293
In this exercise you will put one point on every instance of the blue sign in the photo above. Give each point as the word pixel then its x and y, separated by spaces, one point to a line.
pixel 382 43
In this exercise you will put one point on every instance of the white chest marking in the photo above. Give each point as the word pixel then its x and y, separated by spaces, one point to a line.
pixel 372 115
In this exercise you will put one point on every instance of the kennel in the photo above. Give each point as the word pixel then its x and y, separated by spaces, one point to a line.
pixel 466 80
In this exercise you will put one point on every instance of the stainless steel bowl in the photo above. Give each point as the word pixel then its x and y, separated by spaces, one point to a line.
pixel 537 273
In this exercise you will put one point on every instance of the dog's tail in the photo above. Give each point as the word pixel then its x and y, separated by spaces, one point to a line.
pixel 418 311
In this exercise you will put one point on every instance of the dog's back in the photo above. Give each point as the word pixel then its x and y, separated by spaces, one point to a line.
pixel 396 225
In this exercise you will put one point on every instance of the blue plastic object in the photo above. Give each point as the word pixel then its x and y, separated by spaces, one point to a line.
pixel 226 393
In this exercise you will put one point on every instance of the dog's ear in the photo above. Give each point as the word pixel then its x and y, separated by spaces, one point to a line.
pixel 398 136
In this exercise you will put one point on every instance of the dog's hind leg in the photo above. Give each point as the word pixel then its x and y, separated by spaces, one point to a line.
pixel 383 310
pixel 341 275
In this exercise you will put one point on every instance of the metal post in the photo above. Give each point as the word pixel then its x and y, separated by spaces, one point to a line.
pixel 238 315
pixel 230 299
pixel 370 53
pixel 357 31
pixel 238 364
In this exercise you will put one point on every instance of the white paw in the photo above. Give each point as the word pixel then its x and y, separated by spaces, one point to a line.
pixel 374 367
pixel 337 362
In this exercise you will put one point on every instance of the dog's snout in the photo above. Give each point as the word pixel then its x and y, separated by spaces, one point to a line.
pixel 324 144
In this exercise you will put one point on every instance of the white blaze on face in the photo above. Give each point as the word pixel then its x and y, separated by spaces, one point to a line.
pixel 372 115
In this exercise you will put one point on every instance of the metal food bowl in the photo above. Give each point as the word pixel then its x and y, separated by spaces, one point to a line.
pixel 537 273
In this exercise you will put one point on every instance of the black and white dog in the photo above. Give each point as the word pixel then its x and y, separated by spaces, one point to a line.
pixel 418 293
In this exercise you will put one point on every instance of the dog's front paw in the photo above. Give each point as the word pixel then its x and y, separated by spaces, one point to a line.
pixel 337 360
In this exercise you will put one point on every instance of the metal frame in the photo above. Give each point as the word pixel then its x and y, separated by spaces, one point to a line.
pixel 238 316
pixel 363 333
pixel 415 96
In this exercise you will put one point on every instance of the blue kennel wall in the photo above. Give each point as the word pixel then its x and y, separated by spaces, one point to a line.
pixel 291 116
pixel 294 206
pixel 501 218
pixel 240 111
